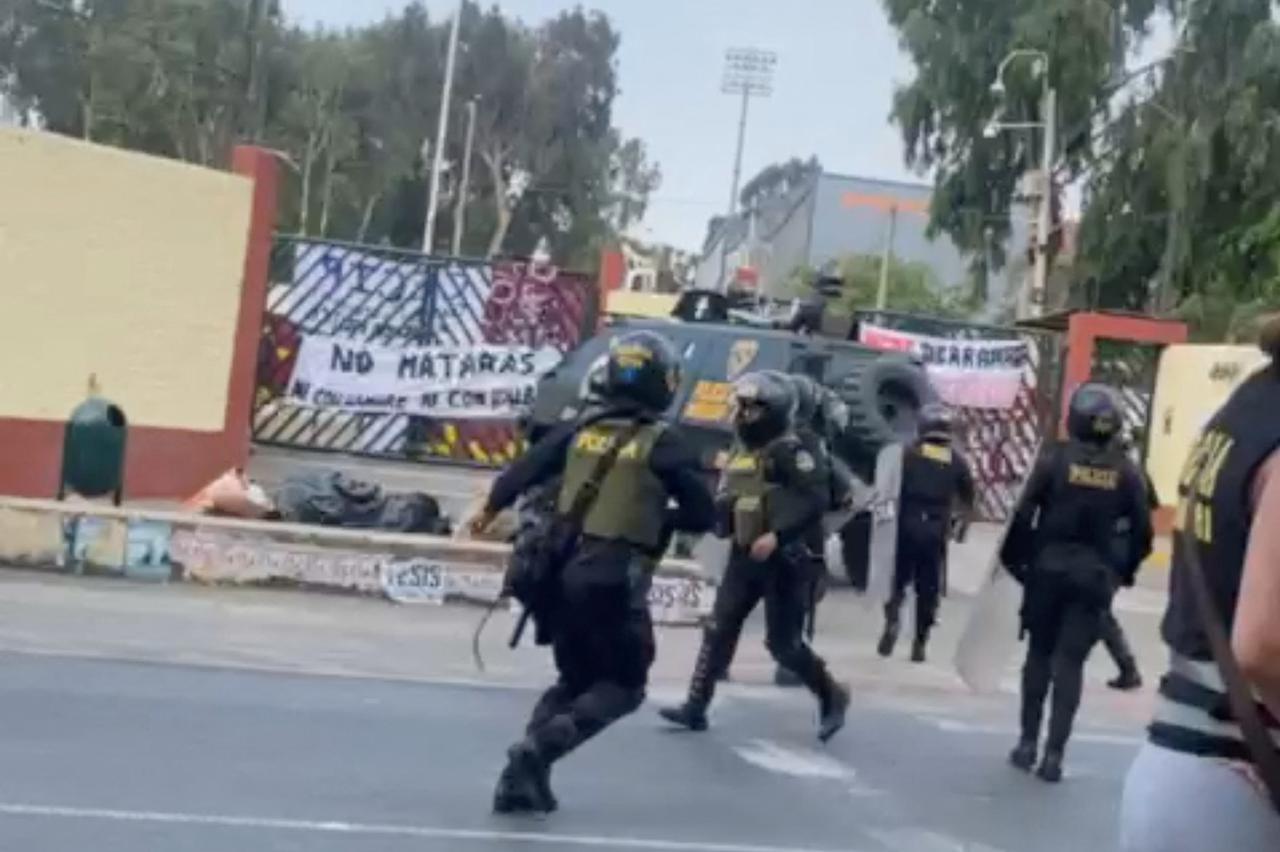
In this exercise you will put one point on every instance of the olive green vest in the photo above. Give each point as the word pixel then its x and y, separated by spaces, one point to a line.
pixel 760 505
pixel 632 505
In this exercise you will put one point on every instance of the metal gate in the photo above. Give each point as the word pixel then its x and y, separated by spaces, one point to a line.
pixel 1000 444
pixel 388 297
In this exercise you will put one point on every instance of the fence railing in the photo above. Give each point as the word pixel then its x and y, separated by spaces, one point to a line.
pixel 375 296
pixel 999 443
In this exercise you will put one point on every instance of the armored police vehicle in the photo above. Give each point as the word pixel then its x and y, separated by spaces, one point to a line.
pixel 883 391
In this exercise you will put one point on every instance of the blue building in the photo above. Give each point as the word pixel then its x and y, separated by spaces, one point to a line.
pixel 832 216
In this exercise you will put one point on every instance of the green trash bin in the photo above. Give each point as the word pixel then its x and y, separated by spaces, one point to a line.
pixel 93 451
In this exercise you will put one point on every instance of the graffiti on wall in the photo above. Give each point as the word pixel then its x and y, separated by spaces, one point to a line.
pixel 395 299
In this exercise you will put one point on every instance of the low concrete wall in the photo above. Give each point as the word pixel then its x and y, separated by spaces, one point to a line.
pixel 171 546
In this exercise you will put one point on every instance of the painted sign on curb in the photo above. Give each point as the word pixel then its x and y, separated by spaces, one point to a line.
pixel 217 558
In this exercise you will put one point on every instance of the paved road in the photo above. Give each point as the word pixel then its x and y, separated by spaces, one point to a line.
pixel 121 757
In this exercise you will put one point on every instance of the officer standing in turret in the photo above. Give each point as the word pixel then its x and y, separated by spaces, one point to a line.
pixel 1061 545
pixel 599 625
pixel 934 478
pixel 772 494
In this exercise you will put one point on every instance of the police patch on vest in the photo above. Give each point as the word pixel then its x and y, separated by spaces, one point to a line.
pixel 937 453
pixel 1101 478
pixel 597 443
pixel 805 462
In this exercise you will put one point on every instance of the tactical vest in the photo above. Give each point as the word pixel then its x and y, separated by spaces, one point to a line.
pixel 929 480
pixel 632 504
pixel 760 503
pixel 1087 494
pixel 1215 505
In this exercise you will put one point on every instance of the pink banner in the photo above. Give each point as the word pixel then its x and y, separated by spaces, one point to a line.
pixel 966 373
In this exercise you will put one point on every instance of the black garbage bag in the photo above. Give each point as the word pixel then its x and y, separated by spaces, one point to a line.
pixel 335 499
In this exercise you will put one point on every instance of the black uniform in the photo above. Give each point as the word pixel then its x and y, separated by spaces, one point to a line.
pixel 599 624
pixel 934 477
pixel 1193 713
pixel 780 488
pixel 1064 539
pixel 1113 638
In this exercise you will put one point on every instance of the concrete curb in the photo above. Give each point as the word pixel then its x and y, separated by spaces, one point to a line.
pixel 159 545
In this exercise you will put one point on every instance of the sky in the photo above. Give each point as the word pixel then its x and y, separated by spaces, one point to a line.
pixel 838 61
pixel 838 65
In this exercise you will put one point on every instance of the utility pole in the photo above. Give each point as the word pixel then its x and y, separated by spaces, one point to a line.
pixel 748 72
pixel 882 295
pixel 1044 217
pixel 442 133
pixel 460 213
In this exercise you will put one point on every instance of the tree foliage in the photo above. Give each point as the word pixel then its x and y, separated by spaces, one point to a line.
pixel 912 287
pixel 1181 161
pixel 351 111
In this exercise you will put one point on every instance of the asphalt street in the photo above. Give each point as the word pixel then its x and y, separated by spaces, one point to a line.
pixel 121 757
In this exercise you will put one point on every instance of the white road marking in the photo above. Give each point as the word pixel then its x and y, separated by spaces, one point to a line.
pixel 482 836
pixel 919 840
pixel 802 763
pixel 956 726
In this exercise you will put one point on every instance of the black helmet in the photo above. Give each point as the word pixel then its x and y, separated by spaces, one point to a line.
pixel 643 368
pixel 1094 416
pixel 807 400
pixel 937 421
pixel 764 407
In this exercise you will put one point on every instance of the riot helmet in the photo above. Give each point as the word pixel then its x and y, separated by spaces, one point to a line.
pixel 763 407
pixel 643 368
pixel 937 422
pixel 1094 414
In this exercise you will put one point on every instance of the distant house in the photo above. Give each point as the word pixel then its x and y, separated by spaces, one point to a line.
pixel 832 216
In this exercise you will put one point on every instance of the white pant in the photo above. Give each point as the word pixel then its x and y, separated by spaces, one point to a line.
pixel 1176 802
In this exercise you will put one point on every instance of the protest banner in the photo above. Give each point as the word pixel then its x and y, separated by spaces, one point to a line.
pixel 966 373
pixel 477 382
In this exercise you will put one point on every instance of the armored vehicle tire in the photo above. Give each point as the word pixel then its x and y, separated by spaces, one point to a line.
pixel 884 396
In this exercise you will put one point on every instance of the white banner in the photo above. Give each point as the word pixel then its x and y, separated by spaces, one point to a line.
pixel 438 381
pixel 966 373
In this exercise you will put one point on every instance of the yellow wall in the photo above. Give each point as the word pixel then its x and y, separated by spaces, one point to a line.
pixel 1193 383
pixel 121 265
pixel 654 305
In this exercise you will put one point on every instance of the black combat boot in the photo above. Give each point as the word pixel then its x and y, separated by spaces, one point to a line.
pixel 687 715
pixel 1128 680
pixel 833 707
pixel 525 784
pixel 786 678
pixel 889 638
pixel 692 714
pixel 1051 767
pixel 918 649
pixel 1024 756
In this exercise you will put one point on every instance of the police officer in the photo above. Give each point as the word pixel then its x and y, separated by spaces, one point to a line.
pixel 811 430
pixel 1196 784
pixel 819 417
pixel 772 493
pixel 934 478
pixel 1061 546
pixel 1113 638
pixel 601 632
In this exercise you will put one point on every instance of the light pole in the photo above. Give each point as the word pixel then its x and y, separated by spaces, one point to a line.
pixel 460 214
pixel 1031 304
pixel 442 132
pixel 748 72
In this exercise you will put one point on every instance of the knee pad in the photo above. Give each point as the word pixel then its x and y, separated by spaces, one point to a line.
pixel 559 734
